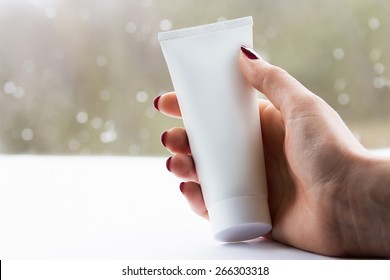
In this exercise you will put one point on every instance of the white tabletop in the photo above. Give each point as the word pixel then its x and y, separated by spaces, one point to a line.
pixel 59 207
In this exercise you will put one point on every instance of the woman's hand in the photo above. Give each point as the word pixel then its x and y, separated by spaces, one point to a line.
pixel 315 168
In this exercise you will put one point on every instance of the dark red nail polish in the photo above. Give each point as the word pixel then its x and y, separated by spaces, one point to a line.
pixel 181 186
pixel 164 138
pixel 251 54
pixel 168 164
pixel 155 102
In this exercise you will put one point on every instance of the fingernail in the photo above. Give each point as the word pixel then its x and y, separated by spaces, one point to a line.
pixel 164 138
pixel 181 186
pixel 168 164
pixel 155 102
pixel 251 54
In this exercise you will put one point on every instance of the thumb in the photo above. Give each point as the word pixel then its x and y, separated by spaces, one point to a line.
pixel 284 91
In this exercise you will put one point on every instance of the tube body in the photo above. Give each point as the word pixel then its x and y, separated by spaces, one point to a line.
pixel 221 116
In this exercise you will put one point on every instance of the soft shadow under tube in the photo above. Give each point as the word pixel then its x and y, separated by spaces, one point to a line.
pixel 221 116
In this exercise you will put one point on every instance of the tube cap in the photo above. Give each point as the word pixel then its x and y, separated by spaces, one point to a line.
pixel 240 218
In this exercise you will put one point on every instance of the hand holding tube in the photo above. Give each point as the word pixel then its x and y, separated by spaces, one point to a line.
pixel 327 194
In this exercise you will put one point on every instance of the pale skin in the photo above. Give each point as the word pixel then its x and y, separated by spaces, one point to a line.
pixel 327 193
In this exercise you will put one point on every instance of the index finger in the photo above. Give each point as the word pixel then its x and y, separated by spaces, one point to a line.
pixel 168 105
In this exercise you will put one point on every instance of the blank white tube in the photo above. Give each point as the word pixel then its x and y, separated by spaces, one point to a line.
pixel 221 115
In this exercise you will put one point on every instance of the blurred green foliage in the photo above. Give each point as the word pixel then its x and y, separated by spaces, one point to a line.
pixel 79 77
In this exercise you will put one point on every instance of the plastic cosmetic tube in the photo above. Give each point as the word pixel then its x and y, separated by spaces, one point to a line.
pixel 221 116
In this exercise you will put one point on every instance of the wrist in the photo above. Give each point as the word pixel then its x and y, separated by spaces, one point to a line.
pixel 363 208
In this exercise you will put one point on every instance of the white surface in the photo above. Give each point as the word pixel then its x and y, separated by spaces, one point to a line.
pixel 108 208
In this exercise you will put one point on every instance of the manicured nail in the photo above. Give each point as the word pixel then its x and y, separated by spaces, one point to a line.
pixel 155 102
pixel 168 164
pixel 164 138
pixel 181 186
pixel 251 54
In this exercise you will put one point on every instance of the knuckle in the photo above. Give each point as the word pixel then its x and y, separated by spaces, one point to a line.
pixel 272 77
pixel 306 105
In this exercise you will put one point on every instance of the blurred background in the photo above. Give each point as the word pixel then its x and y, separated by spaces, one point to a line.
pixel 80 76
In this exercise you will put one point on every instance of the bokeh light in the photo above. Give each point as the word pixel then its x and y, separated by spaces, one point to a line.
pixel 79 77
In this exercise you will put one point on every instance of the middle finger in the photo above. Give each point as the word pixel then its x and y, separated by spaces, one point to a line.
pixel 176 141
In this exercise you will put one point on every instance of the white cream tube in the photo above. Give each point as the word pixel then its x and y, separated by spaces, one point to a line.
pixel 221 115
